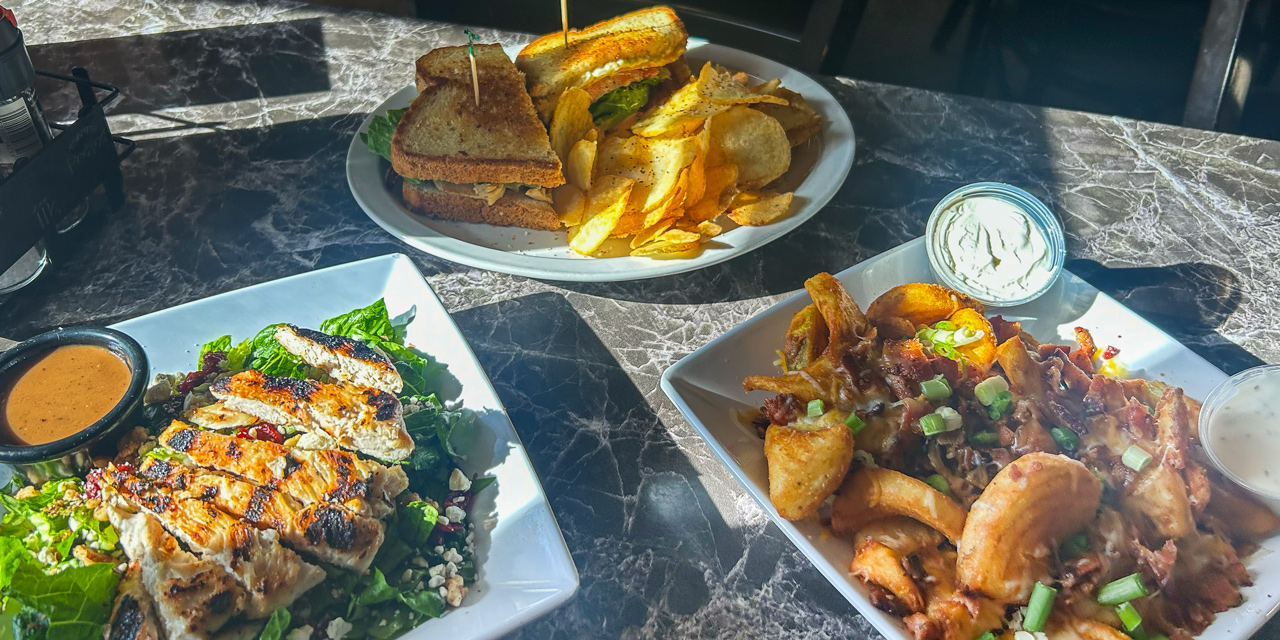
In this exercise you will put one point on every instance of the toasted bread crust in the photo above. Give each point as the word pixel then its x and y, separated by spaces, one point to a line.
pixel 648 38
pixel 445 136
pixel 511 210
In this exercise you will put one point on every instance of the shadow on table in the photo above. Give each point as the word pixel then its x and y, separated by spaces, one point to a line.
pixel 195 67
pixel 1190 301
pixel 649 543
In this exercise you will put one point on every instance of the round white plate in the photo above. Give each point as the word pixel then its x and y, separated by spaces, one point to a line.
pixel 818 168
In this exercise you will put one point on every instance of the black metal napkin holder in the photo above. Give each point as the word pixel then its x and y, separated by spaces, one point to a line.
pixel 60 178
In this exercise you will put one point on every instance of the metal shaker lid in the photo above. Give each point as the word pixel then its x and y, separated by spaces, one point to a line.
pixel 16 72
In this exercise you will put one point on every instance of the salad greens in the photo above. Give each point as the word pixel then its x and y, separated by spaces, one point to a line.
pixel 381 128
pixel 615 106
pixel 48 590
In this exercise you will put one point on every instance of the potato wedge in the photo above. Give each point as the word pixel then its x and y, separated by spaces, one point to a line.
pixel 871 494
pixel 1242 515
pixel 1159 496
pixel 900 533
pixel 806 338
pixel 806 465
pixel 1019 519
pixel 874 562
pixel 983 352
pixel 919 303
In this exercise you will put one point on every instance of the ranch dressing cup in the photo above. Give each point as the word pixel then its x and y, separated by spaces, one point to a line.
pixel 996 243
pixel 1240 430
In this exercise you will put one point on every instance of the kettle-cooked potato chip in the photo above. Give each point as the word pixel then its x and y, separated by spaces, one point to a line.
pixel 645 236
pixel 753 141
pixel 717 195
pixel 605 204
pixel 579 165
pixel 712 93
pixel 671 241
pixel 754 208
pixel 570 203
pixel 797 118
pixel 570 122
pixel 654 164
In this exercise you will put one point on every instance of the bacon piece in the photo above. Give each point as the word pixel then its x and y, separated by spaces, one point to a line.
pixel 783 408
pixel 1085 348
pixel 1172 427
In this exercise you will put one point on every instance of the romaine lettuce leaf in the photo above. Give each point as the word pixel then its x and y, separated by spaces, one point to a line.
pixel 372 326
pixel 381 128
pixel 615 106
pixel 276 625
pixel 72 604
pixel 416 520
pixel 221 343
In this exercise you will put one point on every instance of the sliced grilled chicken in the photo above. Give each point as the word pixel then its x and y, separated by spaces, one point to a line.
pixel 219 416
pixel 274 576
pixel 344 359
pixel 132 616
pixel 361 486
pixel 323 531
pixel 369 420
pixel 193 597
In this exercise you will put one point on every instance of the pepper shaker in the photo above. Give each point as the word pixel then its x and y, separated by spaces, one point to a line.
pixel 23 129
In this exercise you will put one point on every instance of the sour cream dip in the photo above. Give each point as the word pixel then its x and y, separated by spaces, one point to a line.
pixel 996 243
pixel 1240 428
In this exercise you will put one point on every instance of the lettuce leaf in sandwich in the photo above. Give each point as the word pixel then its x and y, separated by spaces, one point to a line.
pixel 617 105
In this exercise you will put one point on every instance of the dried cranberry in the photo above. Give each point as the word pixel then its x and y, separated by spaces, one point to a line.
pixel 269 432
pixel 191 381
pixel 125 467
pixel 93 484
pixel 1110 353
pixel 452 527
pixel 243 432
pixel 212 362
pixel 464 504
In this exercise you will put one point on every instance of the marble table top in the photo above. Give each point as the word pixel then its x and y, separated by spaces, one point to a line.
pixel 244 110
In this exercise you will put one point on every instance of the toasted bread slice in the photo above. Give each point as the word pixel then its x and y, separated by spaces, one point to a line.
pixel 648 38
pixel 445 136
pixel 512 209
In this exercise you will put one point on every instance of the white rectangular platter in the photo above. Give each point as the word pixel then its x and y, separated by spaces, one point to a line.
pixel 524 566
pixel 707 388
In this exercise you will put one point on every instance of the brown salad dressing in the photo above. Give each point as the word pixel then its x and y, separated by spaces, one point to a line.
pixel 60 393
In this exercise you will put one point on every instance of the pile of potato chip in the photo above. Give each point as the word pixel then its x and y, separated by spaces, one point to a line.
pixel 708 150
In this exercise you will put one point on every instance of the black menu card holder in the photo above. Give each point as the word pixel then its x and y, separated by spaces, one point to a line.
pixel 48 188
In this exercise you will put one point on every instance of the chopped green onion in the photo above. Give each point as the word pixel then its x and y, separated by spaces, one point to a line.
pixel 1136 458
pixel 951 417
pixel 945 325
pixel 1074 545
pixel 987 390
pixel 964 335
pixel 1038 607
pixel 815 408
pixel 1066 438
pixel 936 389
pixel 1129 616
pixel 1122 590
pixel 940 483
pixel 1000 405
pixel 855 423
pixel 986 636
pixel 984 438
pixel 932 424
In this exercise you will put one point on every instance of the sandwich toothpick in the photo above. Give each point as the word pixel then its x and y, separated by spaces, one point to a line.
pixel 471 53
pixel 564 20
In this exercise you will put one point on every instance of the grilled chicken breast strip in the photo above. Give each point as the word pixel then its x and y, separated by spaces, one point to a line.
pixel 323 531
pixel 361 486
pixel 194 598
pixel 344 359
pixel 273 575
pixel 219 416
pixel 132 616
pixel 368 420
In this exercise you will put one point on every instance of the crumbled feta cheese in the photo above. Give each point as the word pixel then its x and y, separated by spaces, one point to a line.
pixel 451 556
pixel 435 581
pixel 406 576
pixel 454 514
pixel 443 592
pixel 439 549
pixel 419 561
pixel 338 629
pixel 301 633
pixel 458 481
pixel 436 570
pixel 471 538
pixel 442 520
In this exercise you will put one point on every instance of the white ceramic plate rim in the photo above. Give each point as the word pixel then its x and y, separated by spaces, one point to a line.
pixel 366 177
pixel 1262 598
pixel 556 566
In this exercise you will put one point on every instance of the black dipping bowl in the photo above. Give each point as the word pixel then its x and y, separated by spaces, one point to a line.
pixel 73 455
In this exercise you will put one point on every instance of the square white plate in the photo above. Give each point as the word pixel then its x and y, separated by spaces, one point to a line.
pixel 524 566
pixel 707 388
